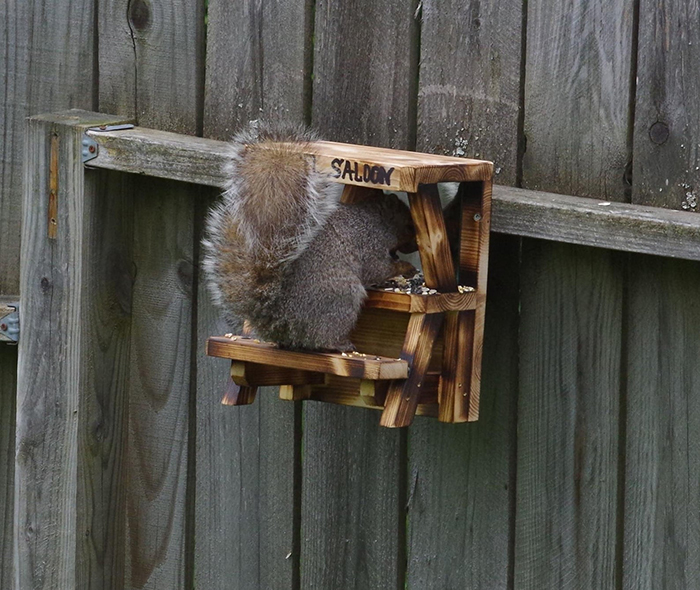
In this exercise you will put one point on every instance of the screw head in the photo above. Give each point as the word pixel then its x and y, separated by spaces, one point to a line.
pixel 91 149
pixel 477 217
pixel 3 327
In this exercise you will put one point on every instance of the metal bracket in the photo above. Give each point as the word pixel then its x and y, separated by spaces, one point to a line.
pixel 90 149
pixel 90 146
pixel 9 323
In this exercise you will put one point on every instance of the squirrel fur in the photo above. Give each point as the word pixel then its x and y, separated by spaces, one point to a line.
pixel 282 252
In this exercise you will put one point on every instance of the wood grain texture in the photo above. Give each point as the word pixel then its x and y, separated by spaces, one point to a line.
pixel 468 98
pixel 8 392
pixel 364 72
pixel 577 96
pixel 662 474
pixel 159 415
pixel 256 374
pixel 345 364
pixel 661 546
pixel 461 477
pixel 457 365
pixel 353 511
pixel 403 396
pixel 560 217
pixel 74 354
pixel 568 412
pixel 248 459
pixel 596 222
pixel 409 303
pixel 151 66
pixel 247 494
pixel 46 60
pixel 258 63
pixel 431 235
pixel 666 134
pixel 577 108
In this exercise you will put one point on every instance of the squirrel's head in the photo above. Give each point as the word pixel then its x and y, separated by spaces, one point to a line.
pixel 397 215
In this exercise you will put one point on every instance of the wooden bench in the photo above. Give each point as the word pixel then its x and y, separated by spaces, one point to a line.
pixel 419 354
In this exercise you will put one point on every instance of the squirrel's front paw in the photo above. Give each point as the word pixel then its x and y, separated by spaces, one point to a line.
pixel 403 268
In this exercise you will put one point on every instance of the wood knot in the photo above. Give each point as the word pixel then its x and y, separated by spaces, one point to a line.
pixel 139 14
pixel 659 132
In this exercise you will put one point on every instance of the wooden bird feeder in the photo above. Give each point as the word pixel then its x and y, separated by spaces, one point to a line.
pixel 417 354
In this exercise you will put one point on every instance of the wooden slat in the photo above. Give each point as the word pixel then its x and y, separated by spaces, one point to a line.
pixel 603 223
pixel 8 392
pixel 260 375
pixel 364 73
pixel 348 391
pixel 73 372
pixel 238 395
pixel 350 365
pixel 405 302
pixel 598 222
pixel 568 412
pixel 431 234
pixel 258 66
pixel 577 110
pixel 577 104
pixel 145 73
pixel 457 365
pixel 47 57
pixel 270 75
pixel 662 474
pixel 661 544
pixel 461 480
pixel 466 106
pixel 461 477
pixel 200 160
pixel 402 397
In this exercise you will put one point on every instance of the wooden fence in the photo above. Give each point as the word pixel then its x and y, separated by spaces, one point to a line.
pixel 128 473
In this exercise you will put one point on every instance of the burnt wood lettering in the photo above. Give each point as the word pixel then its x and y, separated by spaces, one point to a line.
pixel 347 169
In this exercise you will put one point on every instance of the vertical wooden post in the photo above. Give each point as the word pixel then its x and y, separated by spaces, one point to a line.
pixel 73 358
pixel 460 384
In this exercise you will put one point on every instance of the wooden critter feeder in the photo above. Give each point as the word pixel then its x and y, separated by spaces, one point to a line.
pixel 417 354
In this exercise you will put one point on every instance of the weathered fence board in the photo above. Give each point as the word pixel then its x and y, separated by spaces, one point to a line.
pixel 461 477
pixel 666 130
pixel 469 91
pixel 578 78
pixel 460 481
pixel 248 457
pixel 662 474
pixel 258 63
pixel 577 96
pixel 570 343
pixel 8 387
pixel 73 354
pixel 661 547
pixel 151 67
pixel 348 541
pixel 36 80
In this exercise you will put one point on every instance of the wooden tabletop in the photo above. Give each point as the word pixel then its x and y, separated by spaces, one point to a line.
pixel 399 170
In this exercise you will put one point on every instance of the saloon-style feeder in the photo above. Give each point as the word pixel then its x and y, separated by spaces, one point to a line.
pixel 416 354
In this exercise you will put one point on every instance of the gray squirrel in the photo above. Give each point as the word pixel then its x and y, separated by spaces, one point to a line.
pixel 282 251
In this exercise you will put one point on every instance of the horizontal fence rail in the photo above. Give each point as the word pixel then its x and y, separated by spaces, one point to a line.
pixel 548 216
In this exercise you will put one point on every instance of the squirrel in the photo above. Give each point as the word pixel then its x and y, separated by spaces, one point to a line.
pixel 282 251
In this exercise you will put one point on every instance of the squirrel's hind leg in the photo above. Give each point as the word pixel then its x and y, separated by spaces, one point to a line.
pixel 330 314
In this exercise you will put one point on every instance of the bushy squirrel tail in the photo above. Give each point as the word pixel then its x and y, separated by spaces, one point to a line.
pixel 273 205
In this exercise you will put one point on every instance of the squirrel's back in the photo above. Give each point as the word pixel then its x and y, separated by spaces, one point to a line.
pixel 283 253
pixel 273 206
